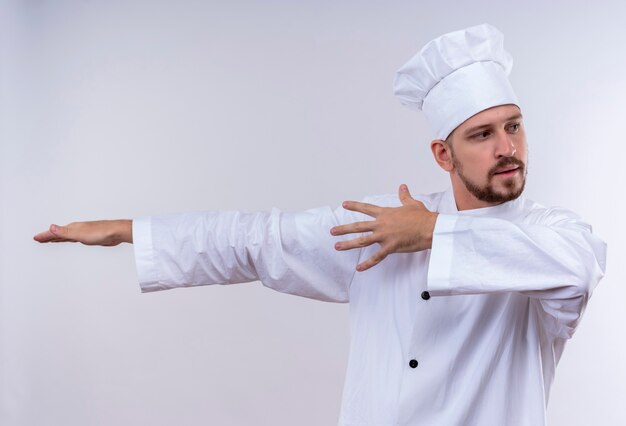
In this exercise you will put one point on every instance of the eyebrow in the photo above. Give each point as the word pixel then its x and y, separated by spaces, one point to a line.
pixel 483 126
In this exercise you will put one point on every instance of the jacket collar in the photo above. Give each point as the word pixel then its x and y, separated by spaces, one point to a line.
pixel 507 210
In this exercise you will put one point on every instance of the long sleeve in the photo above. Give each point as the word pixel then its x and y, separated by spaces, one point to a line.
pixel 551 256
pixel 291 252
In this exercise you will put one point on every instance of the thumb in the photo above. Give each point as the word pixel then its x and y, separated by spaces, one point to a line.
pixel 58 230
pixel 405 196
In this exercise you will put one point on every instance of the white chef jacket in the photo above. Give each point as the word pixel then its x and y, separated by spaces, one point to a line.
pixel 467 333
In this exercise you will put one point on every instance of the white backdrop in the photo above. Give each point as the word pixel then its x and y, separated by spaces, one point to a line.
pixel 120 109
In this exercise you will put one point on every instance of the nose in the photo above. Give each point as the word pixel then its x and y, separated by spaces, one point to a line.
pixel 504 145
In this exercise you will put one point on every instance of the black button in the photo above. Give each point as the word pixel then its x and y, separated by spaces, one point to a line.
pixel 425 295
pixel 413 363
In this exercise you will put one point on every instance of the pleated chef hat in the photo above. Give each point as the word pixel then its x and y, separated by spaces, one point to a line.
pixel 455 76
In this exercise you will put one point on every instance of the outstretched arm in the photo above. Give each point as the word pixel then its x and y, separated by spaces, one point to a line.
pixel 291 252
pixel 95 233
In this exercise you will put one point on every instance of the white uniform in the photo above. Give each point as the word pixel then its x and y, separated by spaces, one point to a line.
pixel 468 333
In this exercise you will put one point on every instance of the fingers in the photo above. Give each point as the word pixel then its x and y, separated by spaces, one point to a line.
pixel 55 234
pixel 368 209
pixel 353 228
pixel 372 261
pixel 359 242
pixel 46 236
pixel 364 241
pixel 61 240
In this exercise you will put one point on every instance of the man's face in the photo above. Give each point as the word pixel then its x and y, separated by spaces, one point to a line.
pixel 489 154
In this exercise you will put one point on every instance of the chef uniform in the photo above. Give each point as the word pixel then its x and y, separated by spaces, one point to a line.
pixel 467 333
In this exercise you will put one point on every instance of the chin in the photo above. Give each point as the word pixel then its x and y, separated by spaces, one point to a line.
pixel 510 193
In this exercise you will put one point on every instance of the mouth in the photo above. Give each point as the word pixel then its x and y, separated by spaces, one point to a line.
pixel 509 171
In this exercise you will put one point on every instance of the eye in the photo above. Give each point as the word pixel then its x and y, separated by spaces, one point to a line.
pixel 514 128
pixel 481 135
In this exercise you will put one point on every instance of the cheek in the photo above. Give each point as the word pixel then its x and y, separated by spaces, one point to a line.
pixel 479 160
pixel 476 166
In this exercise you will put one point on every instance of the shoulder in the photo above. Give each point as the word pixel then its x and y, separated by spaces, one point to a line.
pixel 392 200
pixel 537 213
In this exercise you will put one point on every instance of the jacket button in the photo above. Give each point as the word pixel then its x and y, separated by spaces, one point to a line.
pixel 425 295
pixel 413 363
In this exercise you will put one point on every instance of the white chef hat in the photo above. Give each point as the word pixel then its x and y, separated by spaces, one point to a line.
pixel 455 76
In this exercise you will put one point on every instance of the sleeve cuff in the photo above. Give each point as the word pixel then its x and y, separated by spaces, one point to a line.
pixel 147 270
pixel 440 263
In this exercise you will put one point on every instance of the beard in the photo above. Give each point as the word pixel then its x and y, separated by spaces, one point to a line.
pixel 487 192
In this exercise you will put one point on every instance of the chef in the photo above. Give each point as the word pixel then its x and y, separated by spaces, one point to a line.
pixel 465 323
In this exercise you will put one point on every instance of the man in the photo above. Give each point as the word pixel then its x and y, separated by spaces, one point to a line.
pixel 466 322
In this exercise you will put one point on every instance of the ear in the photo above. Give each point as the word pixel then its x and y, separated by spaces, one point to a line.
pixel 442 153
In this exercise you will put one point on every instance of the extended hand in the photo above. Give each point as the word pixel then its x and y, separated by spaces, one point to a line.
pixel 96 233
pixel 404 229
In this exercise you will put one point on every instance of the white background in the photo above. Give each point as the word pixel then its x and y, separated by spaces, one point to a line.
pixel 120 109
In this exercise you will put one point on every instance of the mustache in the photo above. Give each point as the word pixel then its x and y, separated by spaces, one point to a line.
pixel 507 161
